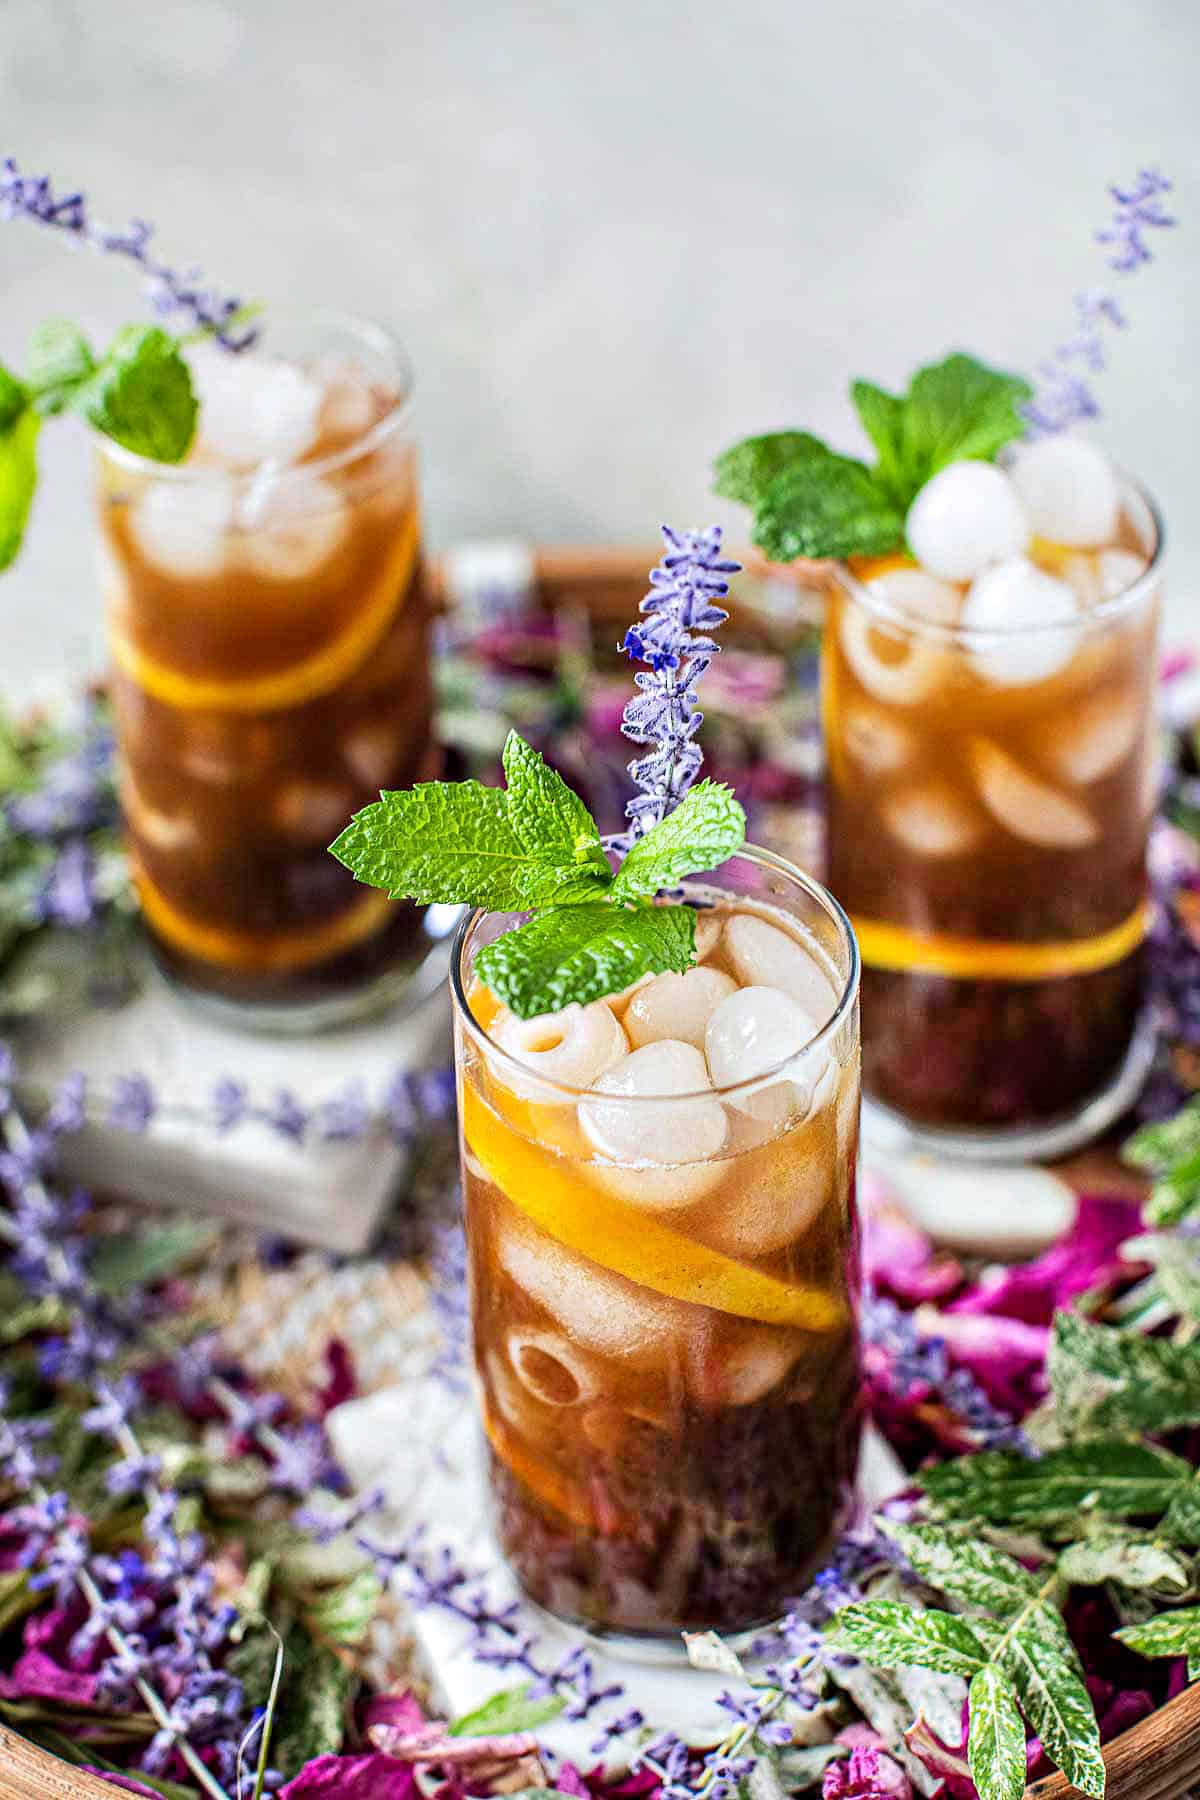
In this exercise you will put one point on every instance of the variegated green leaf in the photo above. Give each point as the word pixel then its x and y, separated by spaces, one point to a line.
pixel 968 1570
pixel 1057 1705
pixel 1110 1477
pixel 893 1636
pixel 1122 1556
pixel 1105 1379
pixel 1170 1634
pixel 996 1739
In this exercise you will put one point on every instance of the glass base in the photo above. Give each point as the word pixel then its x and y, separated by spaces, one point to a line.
pixel 401 988
pixel 890 1133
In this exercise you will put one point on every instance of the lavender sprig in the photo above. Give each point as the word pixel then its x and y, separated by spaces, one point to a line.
pixel 1064 396
pixel 171 291
pixel 680 614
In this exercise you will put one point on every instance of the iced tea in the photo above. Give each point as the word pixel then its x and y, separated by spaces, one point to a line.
pixel 268 624
pixel 659 1197
pixel 991 781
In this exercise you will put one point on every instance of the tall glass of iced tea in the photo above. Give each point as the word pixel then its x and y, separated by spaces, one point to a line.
pixel 268 625
pixel 663 1260
pixel 991 782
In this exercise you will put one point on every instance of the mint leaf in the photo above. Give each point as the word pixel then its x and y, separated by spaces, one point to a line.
pixel 1124 1556
pixel 1171 1153
pixel 882 416
pixel 140 395
pixel 18 479
pixel 1182 1523
pixel 1057 1705
pixel 548 816
pixel 13 399
pixel 343 1614
pixel 745 471
pixel 1170 1634
pixel 510 1710
pixel 966 1569
pixel 581 953
pixel 706 828
pixel 1106 1379
pixel 823 504
pixel 893 1636
pixel 455 842
pixel 959 409
pixel 59 359
pixel 996 1737
pixel 1111 1477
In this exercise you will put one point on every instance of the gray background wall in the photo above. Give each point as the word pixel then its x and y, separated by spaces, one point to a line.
pixel 615 233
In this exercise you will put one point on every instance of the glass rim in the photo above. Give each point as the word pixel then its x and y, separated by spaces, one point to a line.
pixel 875 601
pixel 753 853
pixel 376 337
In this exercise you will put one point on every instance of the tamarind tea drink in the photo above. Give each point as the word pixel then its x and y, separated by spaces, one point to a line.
pixel 663 1260
pixel 268 624
pixel 991 780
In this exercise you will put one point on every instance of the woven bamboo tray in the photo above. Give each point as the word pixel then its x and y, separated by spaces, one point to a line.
pixel 1158 1759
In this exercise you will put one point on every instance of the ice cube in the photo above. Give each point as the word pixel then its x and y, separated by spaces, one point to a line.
pixel 292 523
pixel 1082 575
pixel 114 584
pixel 762 955
pixel 931 819
pixel 708 932
pixel 602 1311
pixel 1069 489
pixel 876 741
pixel 253 409
pixel 570 1048
pixel 347 403
pixel 182 527
pixel 554 1370
pixel 312 812
pixel 612 1429
pixel 966 516
pixel 1119 569
pixel 642 1125
pixel 1027 807
pixel 1087 742
pixel 919 594
pixel 371 752
pixel 894 664
pixel 775 1191
pixel 736 1366
pixel 1027 621
pixel 756 1031
pixel 676 1006
pixel 167 831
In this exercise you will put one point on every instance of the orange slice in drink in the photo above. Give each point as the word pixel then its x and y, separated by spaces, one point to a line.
pixel 559 1198
pixel 551 1488
pixel 260 953
pixel 894 948
pixel 317 674
pixel 866 568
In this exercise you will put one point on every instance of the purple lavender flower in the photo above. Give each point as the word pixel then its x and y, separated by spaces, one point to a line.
pixel 62 1559
pixel 194 1365
pixel 230 1104
pixel 346 1118
pixel 301 1461
pixel 915 1361
pixel 133 1104
pixel 207 1709
pixel 115 1404
pixel 68 895
pixel 171 291
pixel 324 1527
pixel 286 1116
pixel 133 1473
pixel 68 1109
pixel 680 613
pixel 1137 210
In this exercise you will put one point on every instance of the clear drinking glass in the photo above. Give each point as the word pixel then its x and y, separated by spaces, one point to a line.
pixel 268 625
pixel 989 798
pixel 664 1289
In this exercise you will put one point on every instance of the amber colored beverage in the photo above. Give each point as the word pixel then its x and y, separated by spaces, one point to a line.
pixel 664 1272
pixel 989 800
pixel 268 625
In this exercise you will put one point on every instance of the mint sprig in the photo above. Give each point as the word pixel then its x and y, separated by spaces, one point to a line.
pixel 810 501
pixel 534 846
pixel 139 394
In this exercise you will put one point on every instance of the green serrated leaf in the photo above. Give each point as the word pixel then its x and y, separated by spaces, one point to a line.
pixel 581 953
pixel 510 1710
pixel 140 394
pixel 1169 1634
pixel 826 505
pixel 59 360
pixel 882 416
pixel 996 1737
pixel 14 398
pixel 1133 1560
pixel 1110 1477
pixel 455 842
pixel 1057 1704
pixel 1182 1521
pixel 746 471
pixel 968 1570
pixel 707 827
pixel 130 1259
pixel 959 409
pixel 18 479
pixel 1106 1379
pixel 547 816
pixel 1170 1151
pixel 343 1614
pixel 891 1635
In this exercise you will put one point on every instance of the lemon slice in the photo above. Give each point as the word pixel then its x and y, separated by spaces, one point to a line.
pixel 315 675
pixel 891 947
pixel 867 568
pixel 261 953
pixel 551 1488
pixel 560 1199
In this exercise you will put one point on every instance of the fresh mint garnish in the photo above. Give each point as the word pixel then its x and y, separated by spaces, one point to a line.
pixel 582 953
pixel 13 399
pixel 809 500
pixel 549 818
pixel 18 479
pixel 706 828
pixel 58 361
pixel 141 395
